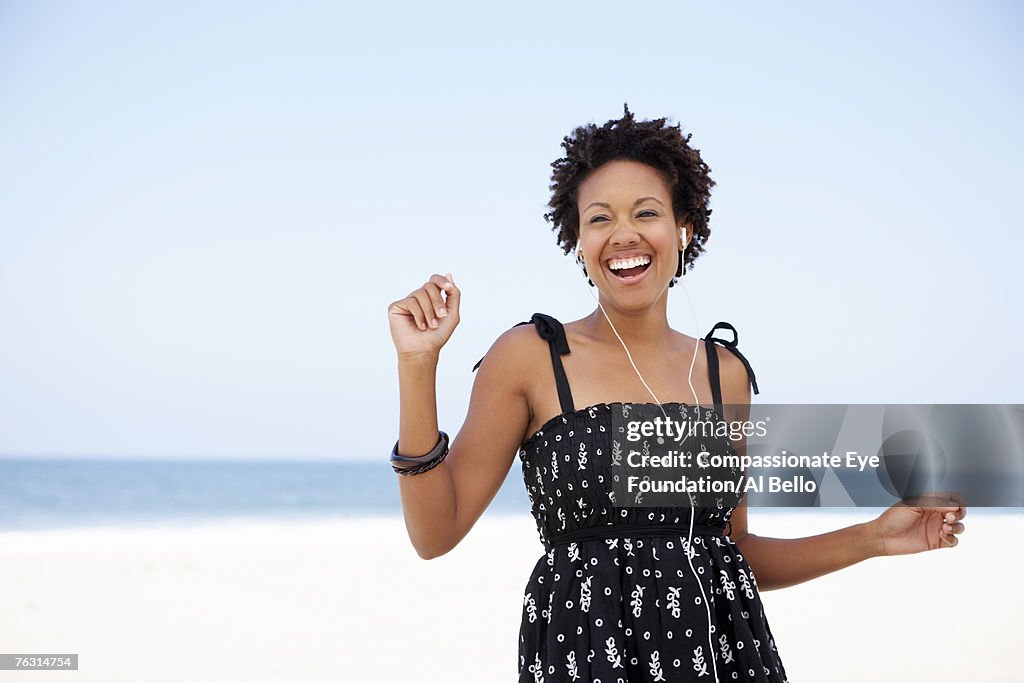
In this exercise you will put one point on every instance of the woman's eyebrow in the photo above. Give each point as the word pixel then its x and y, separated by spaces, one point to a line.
pixel 608 206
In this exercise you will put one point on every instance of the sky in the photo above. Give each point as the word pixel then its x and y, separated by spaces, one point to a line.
pixel 206 208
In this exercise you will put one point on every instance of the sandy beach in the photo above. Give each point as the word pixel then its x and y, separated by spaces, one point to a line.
pixel 349 600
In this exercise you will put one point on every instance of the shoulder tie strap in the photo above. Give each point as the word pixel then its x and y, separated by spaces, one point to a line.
pixel 551 330
pixel 710 342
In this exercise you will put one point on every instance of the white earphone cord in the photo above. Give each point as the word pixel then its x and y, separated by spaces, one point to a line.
pixel 707 605
pixel 689 379
pixel 693 361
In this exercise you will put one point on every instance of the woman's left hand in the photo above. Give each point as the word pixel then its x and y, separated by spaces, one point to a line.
pixel 933 523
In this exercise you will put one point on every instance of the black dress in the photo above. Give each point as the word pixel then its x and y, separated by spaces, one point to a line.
pixel 615 599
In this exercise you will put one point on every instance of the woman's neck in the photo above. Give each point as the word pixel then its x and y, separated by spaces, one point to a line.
pixel 646 328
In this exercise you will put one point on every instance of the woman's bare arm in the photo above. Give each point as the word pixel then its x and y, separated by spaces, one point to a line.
pixel 441 505
pixel 782 562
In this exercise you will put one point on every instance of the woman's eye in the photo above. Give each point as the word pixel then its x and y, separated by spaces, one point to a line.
pixel 653 213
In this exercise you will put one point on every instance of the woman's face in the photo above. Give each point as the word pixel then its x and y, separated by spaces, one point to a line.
pixel 628 237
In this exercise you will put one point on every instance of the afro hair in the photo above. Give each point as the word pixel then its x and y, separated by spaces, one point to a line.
pixel 661 146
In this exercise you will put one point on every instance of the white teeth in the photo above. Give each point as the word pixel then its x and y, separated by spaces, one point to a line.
pixel 629 262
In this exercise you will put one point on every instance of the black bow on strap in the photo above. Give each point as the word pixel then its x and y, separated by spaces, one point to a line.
pixel 549 330
pixel 731 345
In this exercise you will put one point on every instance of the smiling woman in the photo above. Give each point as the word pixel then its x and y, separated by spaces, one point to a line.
pixel 623 592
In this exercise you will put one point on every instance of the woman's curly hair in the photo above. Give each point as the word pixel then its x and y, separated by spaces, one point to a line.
pixel 651 142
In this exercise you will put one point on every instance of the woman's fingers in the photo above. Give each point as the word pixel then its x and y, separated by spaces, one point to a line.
pixel 433 290
pixel 412 305
pixel 444 283
pixel 424 320
pixel 948 533
pixel 432 305
pixel 426 307
pixel 453 295
pixel 948 528
pixel 955 515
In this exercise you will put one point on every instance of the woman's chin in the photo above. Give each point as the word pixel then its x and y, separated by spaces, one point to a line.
pixel 634 295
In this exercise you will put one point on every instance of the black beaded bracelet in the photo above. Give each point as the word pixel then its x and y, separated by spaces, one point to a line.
pixel 421 463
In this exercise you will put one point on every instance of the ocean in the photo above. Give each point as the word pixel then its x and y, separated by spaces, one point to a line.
pixel 57 493
pixel 38 493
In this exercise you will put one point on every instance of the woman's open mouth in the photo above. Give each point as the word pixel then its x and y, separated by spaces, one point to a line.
pixel 629 270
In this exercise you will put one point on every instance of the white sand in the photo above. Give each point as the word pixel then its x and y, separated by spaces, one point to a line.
pixel 349 601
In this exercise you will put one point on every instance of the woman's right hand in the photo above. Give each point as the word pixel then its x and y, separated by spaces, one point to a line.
pixel 422 322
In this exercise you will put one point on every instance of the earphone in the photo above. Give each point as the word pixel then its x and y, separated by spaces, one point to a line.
pixel 693 508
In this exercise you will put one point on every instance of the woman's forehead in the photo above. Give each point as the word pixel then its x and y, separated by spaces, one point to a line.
pixel 622 181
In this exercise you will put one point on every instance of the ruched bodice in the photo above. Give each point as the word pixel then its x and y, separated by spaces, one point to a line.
pixel 568 466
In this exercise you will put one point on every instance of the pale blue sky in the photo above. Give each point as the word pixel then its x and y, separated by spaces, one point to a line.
pixel 207 207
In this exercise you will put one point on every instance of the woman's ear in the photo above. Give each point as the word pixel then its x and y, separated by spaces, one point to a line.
pixel 684 237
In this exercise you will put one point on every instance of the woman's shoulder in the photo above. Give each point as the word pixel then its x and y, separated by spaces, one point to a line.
pixel 519 339
pixel 516 346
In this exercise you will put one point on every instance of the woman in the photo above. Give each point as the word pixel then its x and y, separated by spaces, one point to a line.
pixel 622 593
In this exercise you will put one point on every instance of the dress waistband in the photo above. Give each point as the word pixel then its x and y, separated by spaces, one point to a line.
pixel 597 533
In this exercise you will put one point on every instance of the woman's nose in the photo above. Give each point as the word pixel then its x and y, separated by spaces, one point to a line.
pixel 624 233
